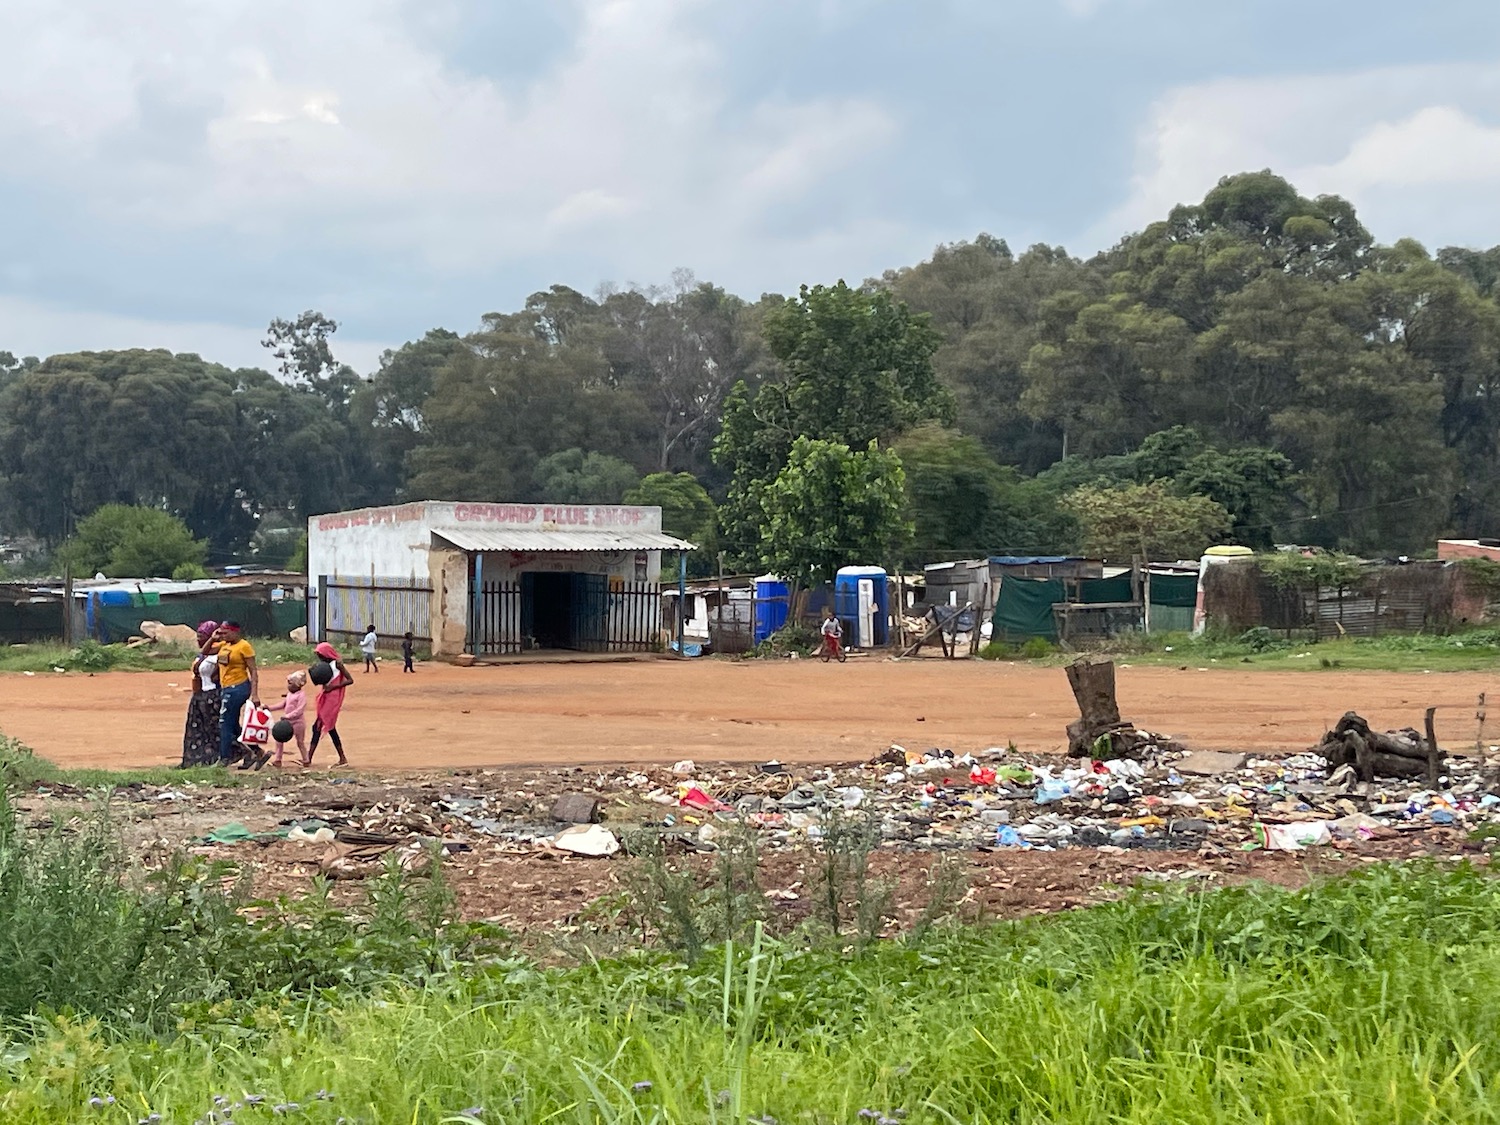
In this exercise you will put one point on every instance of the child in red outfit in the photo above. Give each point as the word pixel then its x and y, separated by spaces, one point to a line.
pixel 330 703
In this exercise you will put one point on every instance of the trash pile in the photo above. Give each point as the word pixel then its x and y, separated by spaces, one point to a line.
pixel 938 799
pixel 932 800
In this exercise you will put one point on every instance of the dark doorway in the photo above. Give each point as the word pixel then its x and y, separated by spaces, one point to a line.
pixel 565 610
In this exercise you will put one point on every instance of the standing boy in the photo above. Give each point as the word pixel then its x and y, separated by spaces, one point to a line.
pixel 408 650
pixel 367 646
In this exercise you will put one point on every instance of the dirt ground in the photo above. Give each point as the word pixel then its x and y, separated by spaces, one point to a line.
pixel 659 711
pixel 519 734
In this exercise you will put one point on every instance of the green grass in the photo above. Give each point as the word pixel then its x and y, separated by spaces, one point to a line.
pixel 21 768
pixel 1372 998
pixel 46 657
pixel 1471 651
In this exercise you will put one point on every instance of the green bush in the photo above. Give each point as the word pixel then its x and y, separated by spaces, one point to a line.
pixel 83 932
pixel 793 638
pixel 1261 639
pixel 1033 648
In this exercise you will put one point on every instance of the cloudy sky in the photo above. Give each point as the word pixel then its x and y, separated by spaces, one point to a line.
pixel 176 172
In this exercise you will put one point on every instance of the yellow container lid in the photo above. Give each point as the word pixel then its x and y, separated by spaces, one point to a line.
pixel 1222 552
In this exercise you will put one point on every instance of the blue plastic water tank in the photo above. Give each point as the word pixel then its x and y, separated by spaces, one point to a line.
pixel 846 603
pixel 114 597
pixel 770 615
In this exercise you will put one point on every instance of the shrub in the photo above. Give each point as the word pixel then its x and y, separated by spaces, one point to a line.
pixel 85 933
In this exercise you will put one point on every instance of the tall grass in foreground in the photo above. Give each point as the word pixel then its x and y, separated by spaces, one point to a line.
pixel 1373 998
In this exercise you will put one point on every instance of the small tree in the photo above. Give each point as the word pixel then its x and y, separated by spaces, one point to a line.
pixel 1148 520
pixel 125 542
pixel 831 507
pixel 572 476
pixel 687 511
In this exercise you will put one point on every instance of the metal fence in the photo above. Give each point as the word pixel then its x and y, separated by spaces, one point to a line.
pixel 597 614
pixel 347 606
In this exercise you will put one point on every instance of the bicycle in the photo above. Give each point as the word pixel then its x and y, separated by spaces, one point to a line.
pixel 831 649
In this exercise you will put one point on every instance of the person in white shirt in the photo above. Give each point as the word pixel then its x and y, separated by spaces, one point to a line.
pixel 832 630
pixel 367 647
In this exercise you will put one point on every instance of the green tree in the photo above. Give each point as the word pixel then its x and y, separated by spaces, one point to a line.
pixel 1251 483
pixel 572 476
pixel 855 368
pixel 129 542
pixel 831 507
pixel 963 504
pixel 157 430
pixel 687 510
pixel 1150 520
pixel 391 407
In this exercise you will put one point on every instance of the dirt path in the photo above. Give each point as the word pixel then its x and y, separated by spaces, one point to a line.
pixel 660 711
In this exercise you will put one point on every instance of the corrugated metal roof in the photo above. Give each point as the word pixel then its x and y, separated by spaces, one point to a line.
pixel 570 539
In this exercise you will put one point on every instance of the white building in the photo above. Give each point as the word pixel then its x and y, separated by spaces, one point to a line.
pixel 490 578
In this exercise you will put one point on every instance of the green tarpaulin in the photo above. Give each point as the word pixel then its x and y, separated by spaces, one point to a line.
pixel 1024 608
pixel 1180 590
pixel 114 623
pixel 1092 591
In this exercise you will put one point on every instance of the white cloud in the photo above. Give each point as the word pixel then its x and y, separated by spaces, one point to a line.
pixel 332 110
pixel 47 329
pixel 1409 146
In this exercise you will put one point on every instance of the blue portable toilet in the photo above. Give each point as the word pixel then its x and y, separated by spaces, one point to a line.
pixel 770 614
pixel 867 629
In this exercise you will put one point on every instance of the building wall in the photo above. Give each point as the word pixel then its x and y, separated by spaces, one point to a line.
pixel 628 566
pixel 395 542
pixel 371 543
pixel 1466 549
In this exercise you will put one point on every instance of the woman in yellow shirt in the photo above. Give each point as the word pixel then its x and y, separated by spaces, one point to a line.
pixel 239 680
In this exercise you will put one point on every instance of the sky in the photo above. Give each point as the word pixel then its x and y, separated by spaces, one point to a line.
pixel 175 173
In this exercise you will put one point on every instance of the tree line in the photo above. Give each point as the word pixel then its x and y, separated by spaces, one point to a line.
pixel 1252 368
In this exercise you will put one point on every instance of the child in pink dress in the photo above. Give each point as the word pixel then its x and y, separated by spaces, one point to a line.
pixel 293 707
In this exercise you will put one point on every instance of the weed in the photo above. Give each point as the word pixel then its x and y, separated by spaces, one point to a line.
pixel 791 639
pixel 689 910
pixel 845 892
pixel 947 886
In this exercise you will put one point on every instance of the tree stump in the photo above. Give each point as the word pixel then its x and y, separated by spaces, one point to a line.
pixel 1093 684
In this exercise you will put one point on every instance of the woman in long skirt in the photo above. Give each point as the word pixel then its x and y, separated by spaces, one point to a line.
pixel 200 740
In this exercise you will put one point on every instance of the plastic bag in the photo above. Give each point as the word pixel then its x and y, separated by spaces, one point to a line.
pixel 1291 837
pixel 255 725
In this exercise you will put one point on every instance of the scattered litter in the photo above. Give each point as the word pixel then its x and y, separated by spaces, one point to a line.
pixel 301 835
pixel 1291 837
pixel 587 840
pixel 232 833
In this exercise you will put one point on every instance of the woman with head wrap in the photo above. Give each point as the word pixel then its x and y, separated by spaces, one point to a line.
pixel 330 702
pixel 200 740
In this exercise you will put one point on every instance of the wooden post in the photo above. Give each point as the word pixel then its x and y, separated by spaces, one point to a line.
pixel 721 595
pixel 1479 744
pixel 68 605
pixel 1433 753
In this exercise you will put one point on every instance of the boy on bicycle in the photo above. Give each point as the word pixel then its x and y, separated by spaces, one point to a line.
pixel 832 630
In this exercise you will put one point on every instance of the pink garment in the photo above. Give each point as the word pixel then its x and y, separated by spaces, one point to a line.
pixel 293 707
pixel 331 699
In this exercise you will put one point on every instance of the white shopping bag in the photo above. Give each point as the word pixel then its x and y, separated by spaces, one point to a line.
pixel 255 725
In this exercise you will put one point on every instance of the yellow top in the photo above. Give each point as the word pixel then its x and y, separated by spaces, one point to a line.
pixel 234 662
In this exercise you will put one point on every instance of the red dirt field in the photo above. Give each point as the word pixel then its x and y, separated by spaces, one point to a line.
pixel 722 711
